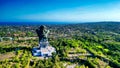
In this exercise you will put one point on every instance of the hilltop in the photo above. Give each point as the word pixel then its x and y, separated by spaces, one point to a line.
pixel 93 45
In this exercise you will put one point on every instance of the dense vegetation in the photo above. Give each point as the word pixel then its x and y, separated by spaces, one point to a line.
pixel 86 45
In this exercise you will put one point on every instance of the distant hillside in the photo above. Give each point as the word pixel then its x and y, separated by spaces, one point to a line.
pixel 55 23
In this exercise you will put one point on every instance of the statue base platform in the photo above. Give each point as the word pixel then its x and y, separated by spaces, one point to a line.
pixel 43 50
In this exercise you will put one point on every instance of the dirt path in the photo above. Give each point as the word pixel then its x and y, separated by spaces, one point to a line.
pixel 6 56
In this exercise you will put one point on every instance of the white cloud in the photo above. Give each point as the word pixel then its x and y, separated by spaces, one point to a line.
pixel 87 13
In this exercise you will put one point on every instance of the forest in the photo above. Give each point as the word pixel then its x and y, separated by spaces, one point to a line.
pixel 83 45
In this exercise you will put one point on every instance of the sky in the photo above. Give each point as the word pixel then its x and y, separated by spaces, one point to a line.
pixel 59 10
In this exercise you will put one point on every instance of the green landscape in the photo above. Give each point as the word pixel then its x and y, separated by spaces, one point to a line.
pixel 84 45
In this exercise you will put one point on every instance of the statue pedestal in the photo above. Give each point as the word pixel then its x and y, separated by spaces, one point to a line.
pixel 43 50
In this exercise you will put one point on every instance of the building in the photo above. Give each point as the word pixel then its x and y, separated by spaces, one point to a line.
pixel 43 50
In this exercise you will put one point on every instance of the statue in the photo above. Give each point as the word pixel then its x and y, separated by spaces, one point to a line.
pixel 44 49
pixel 42 33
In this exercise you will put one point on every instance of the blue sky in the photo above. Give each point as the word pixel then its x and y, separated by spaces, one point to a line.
pixel 59 10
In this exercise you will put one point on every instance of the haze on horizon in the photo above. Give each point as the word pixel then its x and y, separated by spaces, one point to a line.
pixel 59 10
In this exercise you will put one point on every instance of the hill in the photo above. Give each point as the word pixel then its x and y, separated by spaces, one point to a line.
pixel 93 45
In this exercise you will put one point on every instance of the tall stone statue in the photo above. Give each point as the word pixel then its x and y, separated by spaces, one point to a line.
pixel 44 49
pixel 42 33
